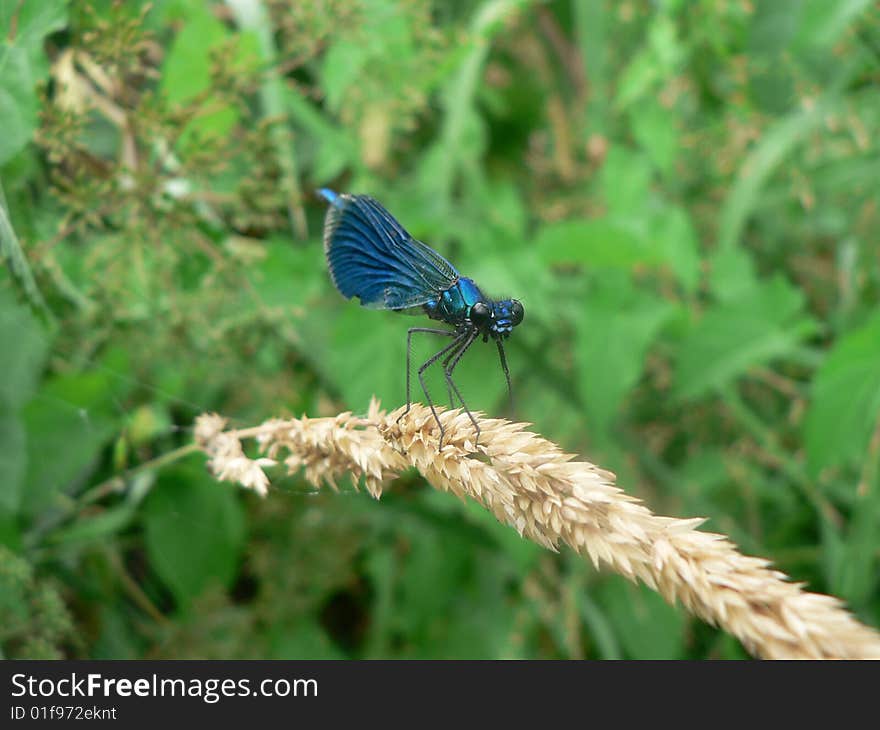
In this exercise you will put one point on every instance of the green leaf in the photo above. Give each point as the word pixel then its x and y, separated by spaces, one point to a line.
pixel 667 47
pixel 22 64
pixel 638 78
pixel 93 528
pixel 615 334
pixel 22 362
pixel 524 554
pixel 772 28
pixel 822 22
pixel 18 102
pixel 187 68
pixel 376 364
pixel 431 575
pixel 343 65
pixel 303 639
pixel 449 593
pixel 186 72
pixel 732 337
pixel 657 60
pixel 845 404
pixel 851 559
pixel 194 531
pixel 68 421
pixel 13 256
pixel 592 26
pixel 63 442
pixel 16 582
pixel 626 180
pixel 775 144
pixel 654 128
pixel 597 243
pixel 646 626
pixel 503 208
pixel 25 24
pixel 664 239
pixel 675 243
pixel 13 460
pixel 600 628
pixel 732 275
pixel 289 276
pixel 335 148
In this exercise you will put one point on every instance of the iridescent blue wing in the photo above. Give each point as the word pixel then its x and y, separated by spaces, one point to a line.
pixel 371 256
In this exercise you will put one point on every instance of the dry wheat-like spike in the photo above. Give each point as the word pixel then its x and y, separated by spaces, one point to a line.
pixel 530 484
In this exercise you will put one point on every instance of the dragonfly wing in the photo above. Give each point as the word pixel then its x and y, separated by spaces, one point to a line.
pixel 372 257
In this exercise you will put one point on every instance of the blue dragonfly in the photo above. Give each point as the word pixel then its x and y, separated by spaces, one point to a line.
pixel 372 257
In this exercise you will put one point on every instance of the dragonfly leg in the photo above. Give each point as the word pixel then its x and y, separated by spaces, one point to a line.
pixel 409 334
pixel 506 372
pixel 448 368
pixel 445 365
pixel 421 373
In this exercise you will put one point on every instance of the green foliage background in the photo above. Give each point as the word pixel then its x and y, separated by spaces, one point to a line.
pixel 683 194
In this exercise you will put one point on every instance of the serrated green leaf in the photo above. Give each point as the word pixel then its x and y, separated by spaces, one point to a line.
pixel 194 531
pixel 845 403
pixel 732 337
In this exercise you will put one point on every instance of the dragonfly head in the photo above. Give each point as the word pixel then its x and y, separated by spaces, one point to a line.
pixel 497 319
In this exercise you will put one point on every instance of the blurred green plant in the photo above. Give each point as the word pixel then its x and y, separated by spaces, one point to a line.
pixel 683 195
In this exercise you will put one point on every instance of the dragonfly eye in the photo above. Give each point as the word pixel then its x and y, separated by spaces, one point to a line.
pixel 481 315
pixel 516 313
